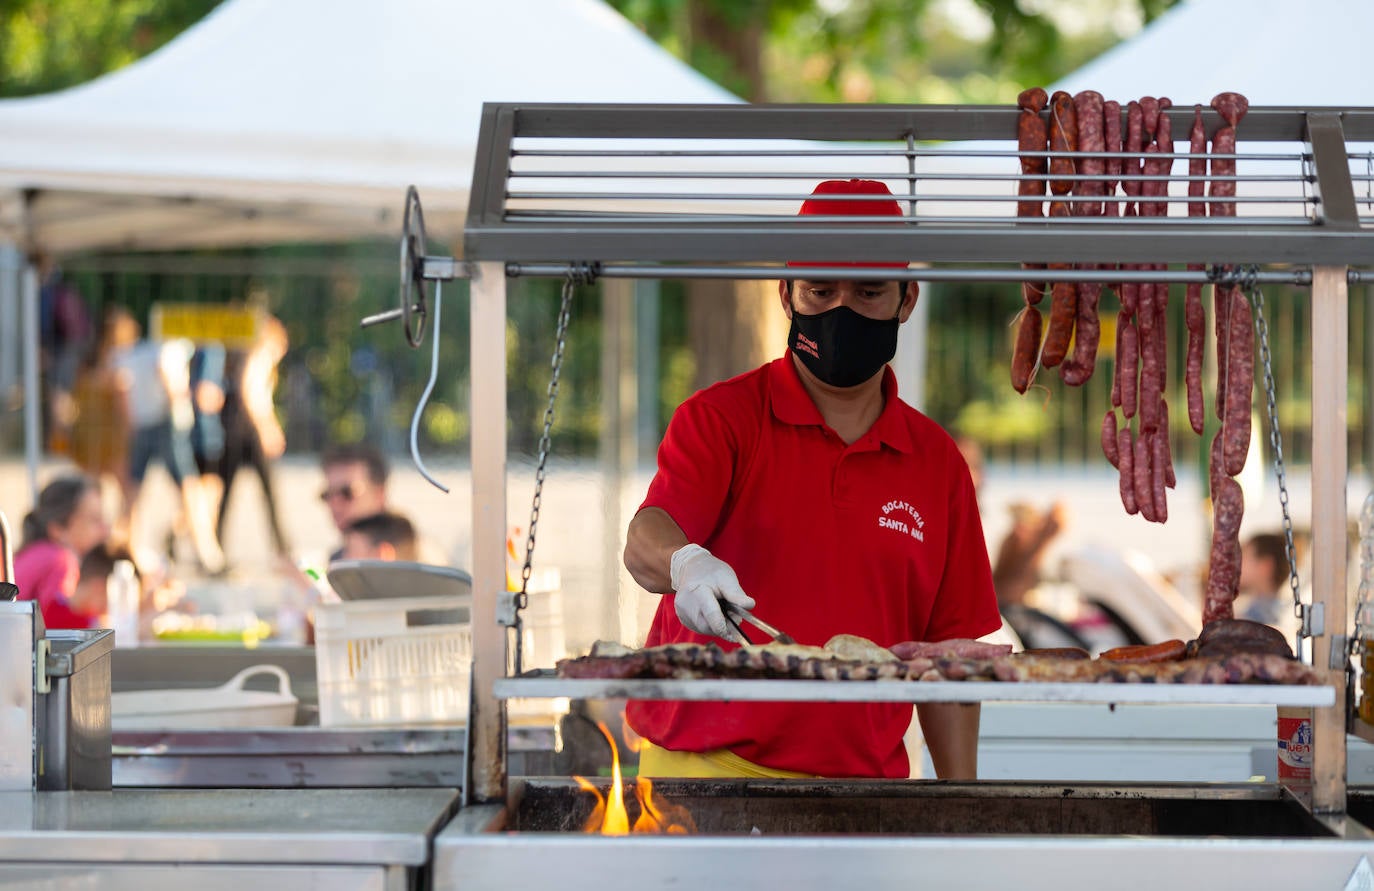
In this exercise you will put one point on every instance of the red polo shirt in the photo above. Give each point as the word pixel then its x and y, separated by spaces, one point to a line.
pixel 880 538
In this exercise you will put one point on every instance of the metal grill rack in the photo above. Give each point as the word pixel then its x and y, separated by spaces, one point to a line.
pixel 712 191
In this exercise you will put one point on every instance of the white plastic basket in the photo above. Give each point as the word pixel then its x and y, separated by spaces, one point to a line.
pixel 378 662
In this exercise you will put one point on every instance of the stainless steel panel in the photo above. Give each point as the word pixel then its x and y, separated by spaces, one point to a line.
pixel 337 826
pixel 18 764
pixel 202 877
pixel 594 863
pixel 905 691
pixel 75 740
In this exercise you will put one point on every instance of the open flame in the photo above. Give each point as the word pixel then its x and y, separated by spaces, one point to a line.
pixel 656 815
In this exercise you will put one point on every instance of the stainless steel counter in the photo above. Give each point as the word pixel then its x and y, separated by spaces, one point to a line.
pixel 380 826
pixel 368 840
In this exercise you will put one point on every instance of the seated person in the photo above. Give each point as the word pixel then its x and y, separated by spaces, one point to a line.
pixel 380 536
pixel 65 524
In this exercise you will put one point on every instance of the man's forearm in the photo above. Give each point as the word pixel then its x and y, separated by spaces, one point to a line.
pixel 951 734
pixel 650 541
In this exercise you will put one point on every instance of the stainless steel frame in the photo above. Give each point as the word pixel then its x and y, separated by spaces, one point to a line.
pixel 1325 235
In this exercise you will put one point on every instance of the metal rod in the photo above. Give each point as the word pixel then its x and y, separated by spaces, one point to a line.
pixel 923 274
pixel 876 199
pixel 847 152
pixel 549 214
pixel 911 177
pixel 429 388
pixel 1330 335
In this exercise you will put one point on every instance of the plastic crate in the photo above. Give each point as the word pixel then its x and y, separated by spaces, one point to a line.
pixel 386 662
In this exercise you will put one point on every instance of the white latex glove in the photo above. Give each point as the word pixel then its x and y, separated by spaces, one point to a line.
pixel 701 581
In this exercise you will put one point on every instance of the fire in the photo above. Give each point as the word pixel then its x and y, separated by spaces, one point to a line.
pixel 656 815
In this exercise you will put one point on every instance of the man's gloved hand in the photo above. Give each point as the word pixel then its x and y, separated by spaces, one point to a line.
pixel 701 581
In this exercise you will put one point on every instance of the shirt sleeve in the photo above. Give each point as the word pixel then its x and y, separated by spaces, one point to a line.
pixel 966 605
pixel 696 464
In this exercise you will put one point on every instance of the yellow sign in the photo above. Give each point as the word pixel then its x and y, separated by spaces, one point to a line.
pixel 233 325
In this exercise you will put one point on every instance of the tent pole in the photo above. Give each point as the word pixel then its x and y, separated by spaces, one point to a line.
pixel 33 415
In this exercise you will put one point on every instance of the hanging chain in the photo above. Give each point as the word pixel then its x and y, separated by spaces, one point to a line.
pixel 579 274
pixel 1276 441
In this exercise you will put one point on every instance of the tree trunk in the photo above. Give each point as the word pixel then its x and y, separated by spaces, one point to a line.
pixel 733 31
pixel 733 326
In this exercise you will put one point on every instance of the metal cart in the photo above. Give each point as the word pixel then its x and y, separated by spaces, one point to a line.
pixel 711 191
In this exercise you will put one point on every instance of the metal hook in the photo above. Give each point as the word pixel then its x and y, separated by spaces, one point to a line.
pixel 424 397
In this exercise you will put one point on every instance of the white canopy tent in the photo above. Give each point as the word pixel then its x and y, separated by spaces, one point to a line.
pixel 304 120
pixel 296 120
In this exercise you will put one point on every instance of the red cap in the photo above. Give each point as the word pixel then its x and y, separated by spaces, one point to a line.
pixel 850 207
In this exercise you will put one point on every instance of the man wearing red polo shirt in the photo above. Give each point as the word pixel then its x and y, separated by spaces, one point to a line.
pixel 840 509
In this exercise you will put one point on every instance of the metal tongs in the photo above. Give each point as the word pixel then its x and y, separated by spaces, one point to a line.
pixel 735 614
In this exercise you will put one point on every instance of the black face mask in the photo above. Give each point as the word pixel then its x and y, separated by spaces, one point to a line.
pixel 841 347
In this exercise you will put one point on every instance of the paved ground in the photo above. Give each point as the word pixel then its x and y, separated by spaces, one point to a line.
pixel 579 531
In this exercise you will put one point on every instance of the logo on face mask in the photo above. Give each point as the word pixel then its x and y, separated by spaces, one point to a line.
pixel 841 347
pixel 806 345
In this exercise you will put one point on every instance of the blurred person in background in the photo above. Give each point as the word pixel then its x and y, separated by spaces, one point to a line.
pixel 355 477
pixel 1264 595
pixel 65 525
pixel 252 434
pixel 101 427
pixel 156 376
pixel 65 334
pixel 382 536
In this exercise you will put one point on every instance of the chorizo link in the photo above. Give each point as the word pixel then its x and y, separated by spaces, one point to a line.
pixel 1151 386
pixel 1231 106
pixel 1240 372
pixel 1159 474
pixel 1141 465
pixel 1032 136
pixel 1223 143
pixel 1126 454
pixel 1221 312
pixel 1131 166
pixel 1168 651
pixel 1087 334
pixel 1088 111
pixel 1063 132
pixel 1109 445
pixel 1127 367
pixel 1223 575
pixel 1027 346
pixel 1111 131
pixel 1063 311
pixel 1194 317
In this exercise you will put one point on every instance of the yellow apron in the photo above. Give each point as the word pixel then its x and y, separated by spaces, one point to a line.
pixel 655 761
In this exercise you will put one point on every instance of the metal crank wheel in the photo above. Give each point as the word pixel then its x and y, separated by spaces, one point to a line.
pixel 414 309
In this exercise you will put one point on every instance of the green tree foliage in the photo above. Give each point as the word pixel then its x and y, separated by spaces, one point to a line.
pixel 880 50
pixel 48 45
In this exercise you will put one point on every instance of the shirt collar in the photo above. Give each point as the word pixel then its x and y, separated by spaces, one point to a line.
pixel 791 404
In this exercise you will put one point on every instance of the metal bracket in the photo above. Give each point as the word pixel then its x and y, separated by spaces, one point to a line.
pixel 42 649
pixel 506 612
pixel 1341 647
pixel 1313 620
